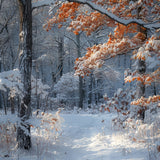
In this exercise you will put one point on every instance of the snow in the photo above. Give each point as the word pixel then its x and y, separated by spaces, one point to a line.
pixel 86 136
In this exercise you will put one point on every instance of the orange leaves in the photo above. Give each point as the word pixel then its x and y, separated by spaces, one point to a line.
pixel 151 46
pixel 119 43
pixel 140 79
pixel 121 8
pixel 130 79
pixel 113 1
pixel 107 109
pixel 69 7
pixel 134 139
pixel 153 77
pixel 103 51
pixel 140 36
pixel 88 22
pixel 65 11
pixel 120 31
pixel 75 32
pixel 72 17
pixel 143 102
pixel 115 46
pixel 80 22
pixel 146 79
pixel 60 25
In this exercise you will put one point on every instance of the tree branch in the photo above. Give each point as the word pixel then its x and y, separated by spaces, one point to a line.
pixel 42 3
pixel 6 23
pixel 150 26
pixel 153 25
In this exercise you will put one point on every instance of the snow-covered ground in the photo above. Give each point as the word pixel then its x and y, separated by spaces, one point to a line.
pixel 90 137
pixel 86 137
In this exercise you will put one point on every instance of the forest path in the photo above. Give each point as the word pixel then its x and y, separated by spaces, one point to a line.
pixel 84 137
pixel 90 137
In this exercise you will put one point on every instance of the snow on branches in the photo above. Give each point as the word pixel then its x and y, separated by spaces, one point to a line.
pixel 12 80
pixel 97 53
pixel 136 27
pixel 67 87
pixel 146 101
pixel 123 12
pixel 94 18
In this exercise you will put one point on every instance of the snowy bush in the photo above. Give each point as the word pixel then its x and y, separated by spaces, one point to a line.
pixel 120 103
pixel 146 131
pixel 7 133
pixel 46 127
pixel 47 123
pixel 39 88
pixel 67 88
pixel 12 80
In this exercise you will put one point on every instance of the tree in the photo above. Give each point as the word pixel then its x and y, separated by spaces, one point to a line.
pixel 8 43
pixel 136 28
pixel 78 45
pixel 25 65
pixel 66 89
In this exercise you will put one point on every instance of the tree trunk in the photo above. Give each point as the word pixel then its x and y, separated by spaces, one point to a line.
pixel 80 103
pixel 12 105
pixel 25 65
pixel 61 53
pixel 90 91
pixel 0 90
pixel 141 85
pixel 141 70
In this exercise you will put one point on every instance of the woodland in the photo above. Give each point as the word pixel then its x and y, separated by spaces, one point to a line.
pixel 80 64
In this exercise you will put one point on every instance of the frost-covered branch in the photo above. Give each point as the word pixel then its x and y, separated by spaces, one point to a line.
pixel 43 3
pixel 153 25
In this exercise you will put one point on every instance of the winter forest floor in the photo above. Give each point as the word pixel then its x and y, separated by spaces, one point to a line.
pixel 89 137
pixel 85 136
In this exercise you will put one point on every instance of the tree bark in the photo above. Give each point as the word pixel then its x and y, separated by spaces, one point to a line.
pixel 141 70
pixel 25 65
pixel 0 90
pixel 90 91
pixel 80 103
pixel 61 53
pixel 12 105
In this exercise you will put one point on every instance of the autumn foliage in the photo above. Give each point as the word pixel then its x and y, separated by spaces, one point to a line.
pixel 133 37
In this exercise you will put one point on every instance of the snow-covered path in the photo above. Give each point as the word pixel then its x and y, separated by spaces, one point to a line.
pixel 85 137
pixel 89 137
